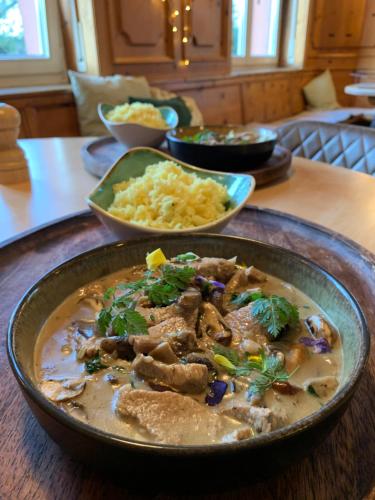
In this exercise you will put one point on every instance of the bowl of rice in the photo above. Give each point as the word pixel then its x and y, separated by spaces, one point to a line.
pixel 138 124
pixel 148 192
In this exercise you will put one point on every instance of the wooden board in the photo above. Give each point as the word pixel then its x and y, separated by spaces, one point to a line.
pixel 33 467
pixel 100 154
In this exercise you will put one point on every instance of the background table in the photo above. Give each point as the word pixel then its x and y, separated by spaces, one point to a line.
pixel 334 197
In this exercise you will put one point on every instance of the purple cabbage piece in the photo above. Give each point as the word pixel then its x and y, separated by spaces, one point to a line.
pixel 319 346
pixel 209 284
pixel 217 390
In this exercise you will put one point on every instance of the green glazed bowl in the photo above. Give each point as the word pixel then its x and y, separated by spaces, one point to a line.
pixel 133 164
pixel 267 452
pixel 134 134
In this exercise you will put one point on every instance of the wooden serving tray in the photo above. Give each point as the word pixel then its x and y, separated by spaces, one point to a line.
pixel 100 154
pixel 32 466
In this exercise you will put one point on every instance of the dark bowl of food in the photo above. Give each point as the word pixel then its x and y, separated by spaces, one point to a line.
pixel 222 147
pixel 188 350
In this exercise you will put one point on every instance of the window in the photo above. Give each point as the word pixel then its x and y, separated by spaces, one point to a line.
pixel 31 49
pixel 256 31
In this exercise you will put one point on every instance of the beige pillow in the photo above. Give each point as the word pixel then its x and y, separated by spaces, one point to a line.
pixel 320 93
pixel 89 90
pixel 196 115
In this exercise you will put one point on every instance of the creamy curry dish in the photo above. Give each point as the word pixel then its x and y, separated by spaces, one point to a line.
pixel 188 350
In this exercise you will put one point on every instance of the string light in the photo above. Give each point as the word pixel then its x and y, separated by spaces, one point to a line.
pixel 174 29
pixel 187 7
pixel 185 39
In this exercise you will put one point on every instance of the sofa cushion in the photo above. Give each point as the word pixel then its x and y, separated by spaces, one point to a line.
pixel 89 90
pixel 320 92
pixel 196 115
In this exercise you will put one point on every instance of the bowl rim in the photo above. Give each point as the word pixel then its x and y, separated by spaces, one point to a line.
pixel 170 135
pixel 293 430
pixel 109 123
pixel 150 230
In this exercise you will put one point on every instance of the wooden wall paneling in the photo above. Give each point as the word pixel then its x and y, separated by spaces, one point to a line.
pixel 254 101
pixel 277 95
pixel 219 105
pixel 49 115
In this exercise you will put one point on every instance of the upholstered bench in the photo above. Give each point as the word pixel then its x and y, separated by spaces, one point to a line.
pixel 349 146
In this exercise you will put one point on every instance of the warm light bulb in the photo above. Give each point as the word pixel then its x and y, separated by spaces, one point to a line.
pixel 188 7
pixel 185 39
pixel 176 13
pixel 186 62
pixel 186 28
pixel 174 29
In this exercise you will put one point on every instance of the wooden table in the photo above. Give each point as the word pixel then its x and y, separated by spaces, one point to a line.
pixel 334 197
pixel 365 89
pixel 34 468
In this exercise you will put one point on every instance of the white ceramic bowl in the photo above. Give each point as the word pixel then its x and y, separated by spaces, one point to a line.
pixel 133 134
pixel 133 164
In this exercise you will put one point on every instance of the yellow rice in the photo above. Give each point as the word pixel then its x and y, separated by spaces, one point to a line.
pixel 137 112
pixel 166 197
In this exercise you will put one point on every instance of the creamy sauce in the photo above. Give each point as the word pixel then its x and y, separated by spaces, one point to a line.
pixel 56 359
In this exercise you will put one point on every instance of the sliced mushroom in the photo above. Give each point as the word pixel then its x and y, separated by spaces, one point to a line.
pixel 322 386
pixel 85 327
pixel 62 390
pixel 164 353
pixel 212 323
pixel 121 345
pixel 319 327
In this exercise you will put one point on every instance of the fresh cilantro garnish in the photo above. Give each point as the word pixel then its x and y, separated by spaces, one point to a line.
pixel 168 287
pixel 186 257
pixel 104 320
pixel 272 371
pixel 94 365
pixel 244 298
pixel 162 289
pixel 270 368
pixel 275 313
pixel 129 322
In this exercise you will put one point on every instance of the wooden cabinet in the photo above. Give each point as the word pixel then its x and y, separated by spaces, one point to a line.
pixel 337 24
pixel 140 31
pixel 334 33
pixel 206 25
pixel 159 38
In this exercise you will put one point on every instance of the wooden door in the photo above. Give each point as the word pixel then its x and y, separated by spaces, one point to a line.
pixel 337 24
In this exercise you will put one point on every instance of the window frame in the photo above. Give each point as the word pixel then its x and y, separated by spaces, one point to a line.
pixel 254 61
pixel 25 71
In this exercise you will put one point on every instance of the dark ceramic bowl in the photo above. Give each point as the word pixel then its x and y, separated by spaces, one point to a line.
pixel 224 157
pixel 269 451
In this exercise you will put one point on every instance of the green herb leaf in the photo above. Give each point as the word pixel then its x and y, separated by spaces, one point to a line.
pixel 186 257
pixel 244 298
pixel 275 313
pixel 104 320
pixel 272 371
pixel 310 389
pixel 129 322
pixel 178 277
pixel 109 293
pixel 94 365
pixel 162 295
